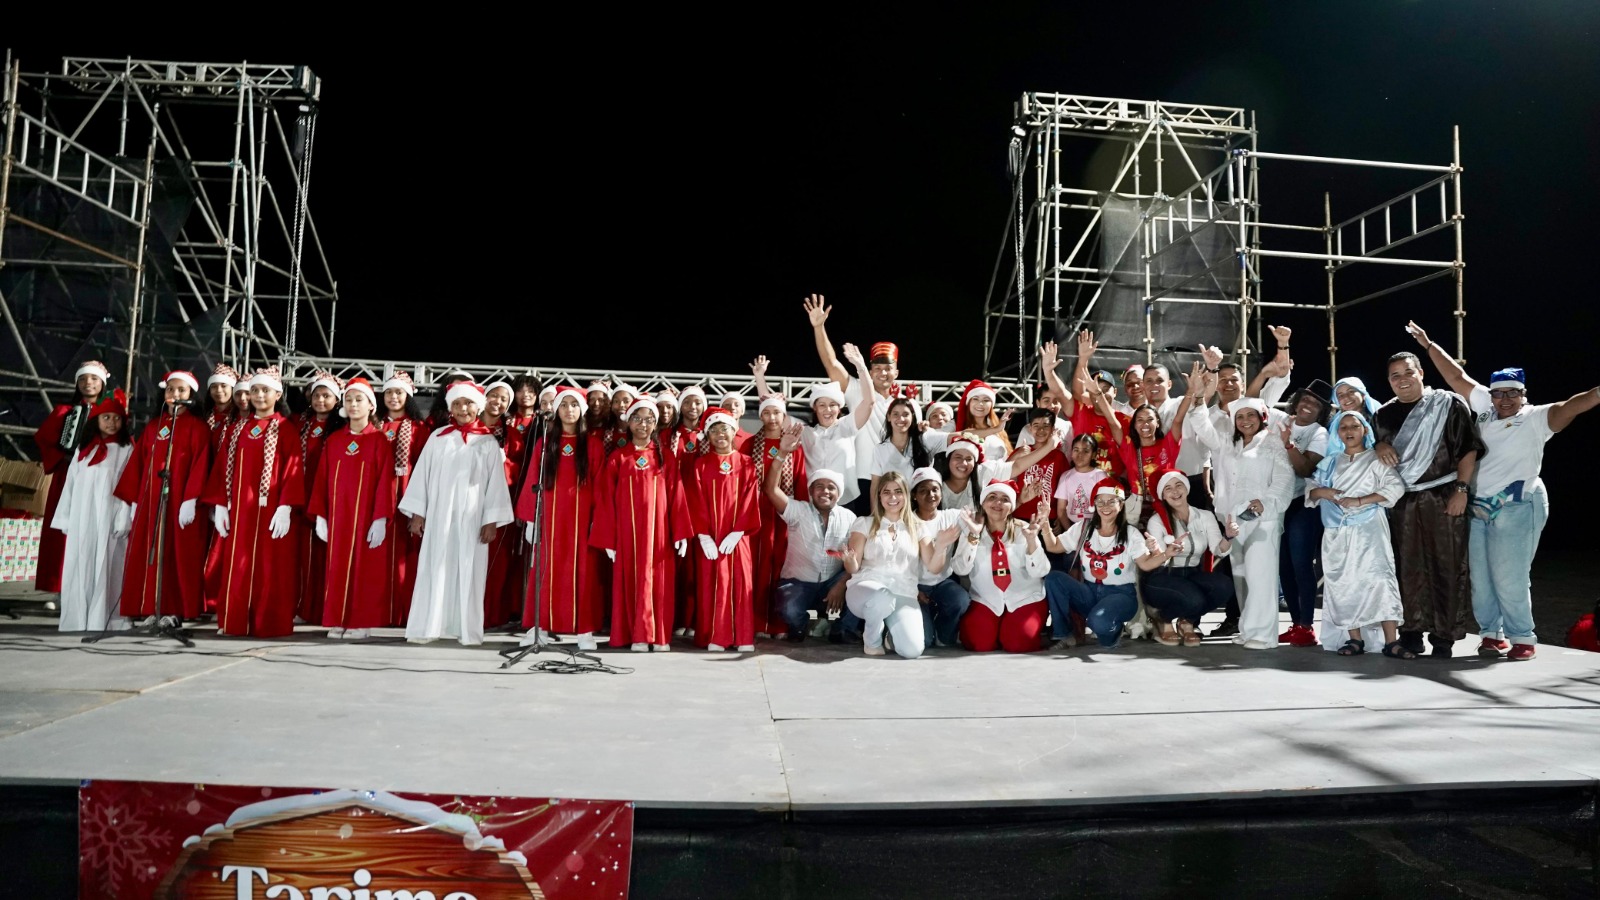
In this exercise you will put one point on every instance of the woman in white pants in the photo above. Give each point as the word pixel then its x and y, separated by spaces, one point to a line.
pixel 1256 483
pixel 883 559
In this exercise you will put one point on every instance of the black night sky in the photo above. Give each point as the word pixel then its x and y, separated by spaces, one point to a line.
pixel 659 190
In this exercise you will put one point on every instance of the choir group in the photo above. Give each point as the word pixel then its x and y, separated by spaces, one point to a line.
pixel 1120 506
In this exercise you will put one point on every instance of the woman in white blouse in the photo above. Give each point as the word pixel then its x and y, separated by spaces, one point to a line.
pixel 1006 564
pixel 944 600
pixel 1110 552
pixel 1179 591
pixel 883 559
pixel 905 447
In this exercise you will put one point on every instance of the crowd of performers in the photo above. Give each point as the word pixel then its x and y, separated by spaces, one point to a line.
pixel 601 510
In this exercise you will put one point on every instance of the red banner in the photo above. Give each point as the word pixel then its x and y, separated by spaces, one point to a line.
pixel 139 840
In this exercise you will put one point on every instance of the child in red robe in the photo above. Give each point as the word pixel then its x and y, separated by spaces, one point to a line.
pixel 770 544
pixel 505 552
pixel 58 440
pixel 352 502
pixel 253 490
pixel 315 424
pixel 722 504
pixel 406 432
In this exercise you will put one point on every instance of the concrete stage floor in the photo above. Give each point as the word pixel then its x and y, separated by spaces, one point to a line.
pixel 812 728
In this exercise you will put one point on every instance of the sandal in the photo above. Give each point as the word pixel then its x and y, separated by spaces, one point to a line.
pixel 1166 636
pixel 1397 650
pixel 1187 632
pixel 1354 647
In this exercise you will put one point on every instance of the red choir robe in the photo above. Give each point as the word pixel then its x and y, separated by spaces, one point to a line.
pixel 564 573
pixel 258 578
pixel 639 513
pixel 500 593
pixel 770 544
pixel 354 487
pixel 312 559
pixel 183 550
pixel 53 543
pixel 400 548
pixel 686 445
pixel 217 421
pixel 722 492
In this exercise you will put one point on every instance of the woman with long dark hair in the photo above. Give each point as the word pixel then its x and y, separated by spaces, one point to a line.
pixel 406 432
pixel 1181 590
pixel 314 423
pixel 1111 552
pixel 905 447
pixel 58 439
pixel 1150 448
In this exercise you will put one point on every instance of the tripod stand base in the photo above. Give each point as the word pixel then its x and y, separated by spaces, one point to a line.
pixel 159 627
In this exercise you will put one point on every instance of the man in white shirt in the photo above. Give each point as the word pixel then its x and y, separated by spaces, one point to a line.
pixel 812 578
pixel 883 367
pixel 1509 504
pixel 831 442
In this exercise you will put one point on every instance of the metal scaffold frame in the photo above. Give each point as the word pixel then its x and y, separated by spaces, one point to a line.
pixel 248 252
pixel 1054 226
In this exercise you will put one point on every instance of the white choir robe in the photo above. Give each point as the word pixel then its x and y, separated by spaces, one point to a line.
pixel 457 488
pixel 91 572
pixel 1359 587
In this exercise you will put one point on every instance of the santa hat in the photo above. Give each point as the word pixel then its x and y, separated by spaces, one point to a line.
pixel 731 395
pixel 816 475
pixel 458 374
pixel 1244 403
pixel 975 388
pixel 826 391
pixel 1003 488
pixel 499 384
pixel 693 390
pixel 643 401
pixel 365 387
pixel 772 401
pixel 468 389
pixel 92 367
pixel 717 414
pixel 269 377
pixel 180 375
pixel 1508 378
pixel 400 380
pixel 325 379
pixel 623 388
pixel 926 473
pixel 967 443
pixel 223 374
pixel 1109 486
pixel 567 391
pixel 116 403
pixel 244 383
pixel 667 395
pixel 548 390
pixel 940 404
pixel 1168 476
pixel 884 351
pixel 599 385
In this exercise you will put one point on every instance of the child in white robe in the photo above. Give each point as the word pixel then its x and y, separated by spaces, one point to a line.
pixel 95 523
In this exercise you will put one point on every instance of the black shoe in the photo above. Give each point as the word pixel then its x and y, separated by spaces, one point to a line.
pixel 1228 628
pixel 795 637
pixel 1442 648
pixel 1412 640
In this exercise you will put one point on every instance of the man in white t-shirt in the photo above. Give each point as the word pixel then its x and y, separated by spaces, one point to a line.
pixel 883 367
pixel 831 442
pixel 812 578
pixel 1509 505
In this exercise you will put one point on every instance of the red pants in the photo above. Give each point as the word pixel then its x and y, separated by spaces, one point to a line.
pixel 1018 631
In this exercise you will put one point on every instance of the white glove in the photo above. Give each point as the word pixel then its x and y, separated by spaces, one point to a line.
pixel 186 514
pixel 375 534
pixel 681 546
pixel 122 521
pixel 527 532
pixel 611 555
pixel 707 546
pixel 322 529
pixel 279 526
pixel 730 542
pixel 219 520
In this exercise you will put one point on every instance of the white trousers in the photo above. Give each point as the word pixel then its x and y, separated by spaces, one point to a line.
pixel 1255 579
pixel 878 608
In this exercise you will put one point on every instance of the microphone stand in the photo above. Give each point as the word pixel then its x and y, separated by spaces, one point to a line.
pixel 514 655
pixel 159 627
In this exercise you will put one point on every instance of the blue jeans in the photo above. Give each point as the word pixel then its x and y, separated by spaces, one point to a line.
pixel 1186 592
pixel 1501 555
pixel 795 599
pixel 941 615
pixel 1297 569
pixel 1104 607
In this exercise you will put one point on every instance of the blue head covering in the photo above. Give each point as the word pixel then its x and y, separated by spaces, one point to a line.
pixel 1333 516
pixel 1367 442
pixel 1355 384
pixel 1508 378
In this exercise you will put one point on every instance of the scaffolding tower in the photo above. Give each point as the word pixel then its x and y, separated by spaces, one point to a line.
pixel 1156 264
pixel 155 215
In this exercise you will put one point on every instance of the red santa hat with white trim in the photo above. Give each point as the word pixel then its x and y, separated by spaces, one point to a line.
pixel 717 415
pixel 965 441
pixel 223 374
pixel 568 391
pixel 642 401
pixel 400 381
pixel 1004 488
pixel 693 390
pixel 360 385
pixel 92 367
pixel 183 376
pixel 494 385
pixel 468 389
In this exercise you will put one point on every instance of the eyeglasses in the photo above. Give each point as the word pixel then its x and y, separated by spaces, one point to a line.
pixel 1506 394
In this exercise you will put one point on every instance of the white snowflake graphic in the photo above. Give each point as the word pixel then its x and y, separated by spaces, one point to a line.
pixel 114 844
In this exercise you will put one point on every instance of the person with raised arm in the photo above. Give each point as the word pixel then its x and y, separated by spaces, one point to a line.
pixel 883 367
pixel 812 578
pixel 882 558
pixel 1151 446
pixel 1083 404
pixel 831 442
pixel 965 473
pixel 721 497
pixel 1509 502
pixel 1431 437
pixel 352 503
pixel 1005 561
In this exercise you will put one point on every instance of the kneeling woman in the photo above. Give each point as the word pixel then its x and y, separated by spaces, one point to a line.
pixel 1108 549
pixel 882 559
pixel 1180 591
pixel 1008 608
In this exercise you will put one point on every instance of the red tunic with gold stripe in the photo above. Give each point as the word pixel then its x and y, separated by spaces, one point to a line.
pixel 639 513
pixel 565 569
pixel 183 550
pixel 313 559
pixel 354 487
pixel 257 580
pixel 722 498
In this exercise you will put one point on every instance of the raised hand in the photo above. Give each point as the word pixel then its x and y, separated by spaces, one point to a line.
pixel 1281 332
pixel 971 522
pixel 947 536
pixel 758 366
pixel 1230 530
pixel 1287 433
pixel 1416 331
pixel 791 436
pixel 1005 417
pixel 1048 358
pixel 1211 355
pixel 816 310
pixel 1087 345
pixel 1150 543
pixel 1029 491
pixel 852 355
pixel 1197 379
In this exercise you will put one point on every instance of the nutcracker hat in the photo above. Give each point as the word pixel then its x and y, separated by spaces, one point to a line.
pixel 826 391
pixel 365 387
pixel 116 403
pixel 468 389
pixel 816 475
pixel 772 401
pixel 926 473
pixel 716 415
pixel 1109 486
pixel 270 377
pixel 643 401
pixel 1003 488
pixel 223 374
pixel 1508 378
pixel 884 352
pixel 400 381
pixel 180 375
pixel 568 391
pixel 92 367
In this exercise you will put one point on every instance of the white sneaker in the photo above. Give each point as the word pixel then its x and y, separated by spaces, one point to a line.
pixel 661 647
pixel 356 634
pixel 531 637
pixel 640 648
pixel 763 635
pixel 872 651
pixel 679 632
pixel 586 642
pixel 715 648
pixel 336 632
pixel 147 621
pixel 300 621
pixel 746 648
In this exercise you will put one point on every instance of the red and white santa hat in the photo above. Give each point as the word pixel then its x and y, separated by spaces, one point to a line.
pixel 625 388
pixel 693 390
pixel 92 367
pixel 772 401
pixel 940 404
pixel 1111 487
pixel 1003 488
pixel 494 385
pixel 568 391
pixel 926 473
pixel 183 376
pixel 1167 477
pixel 826 391
pixel 223 374
pixel 642 401
pixel 244 384
pixel 468 389
pixel 270 377
pixel 400 381
pixel 363 386
pixel 1244 403
pixel 548 390
pixel 965 442
pixel 667 395
pixel 717 414
pixel 731 395
pixel 325 379
pixel 599 386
